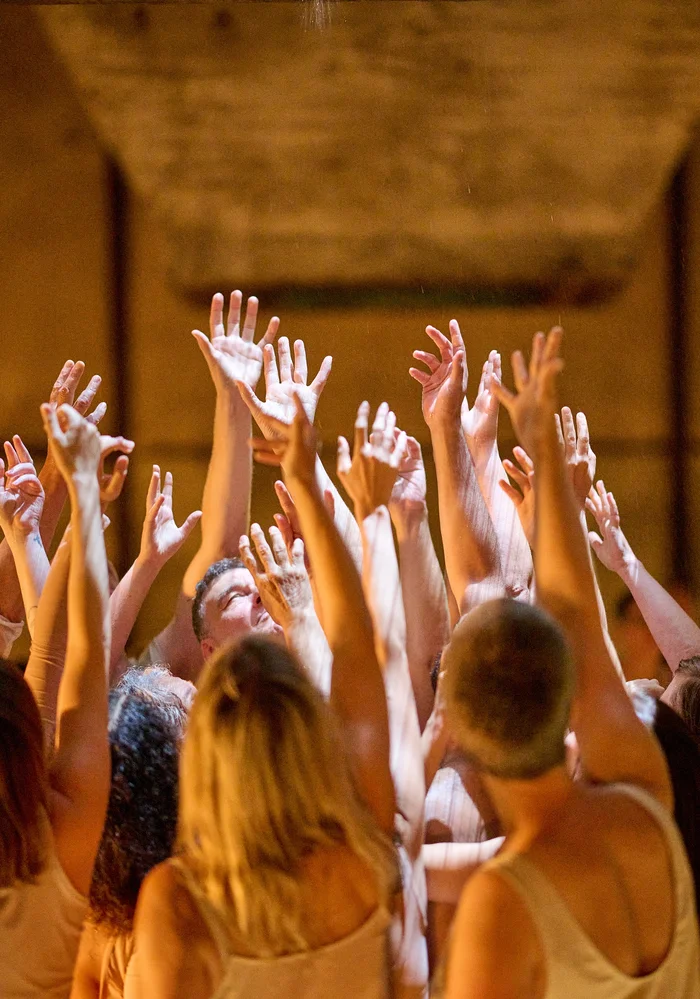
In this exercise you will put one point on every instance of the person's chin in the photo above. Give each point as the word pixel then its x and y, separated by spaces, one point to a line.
pixel 266 626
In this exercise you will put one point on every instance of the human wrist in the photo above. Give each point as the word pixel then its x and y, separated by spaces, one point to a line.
pixel 408 518
pixel 147 565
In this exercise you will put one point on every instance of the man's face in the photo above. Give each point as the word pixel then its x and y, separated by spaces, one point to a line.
pixel 232 608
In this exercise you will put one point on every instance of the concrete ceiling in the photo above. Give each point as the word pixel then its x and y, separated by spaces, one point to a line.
pixel 510 145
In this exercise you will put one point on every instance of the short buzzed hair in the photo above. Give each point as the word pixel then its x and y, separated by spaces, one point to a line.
pixel 509 685
pixel 213 572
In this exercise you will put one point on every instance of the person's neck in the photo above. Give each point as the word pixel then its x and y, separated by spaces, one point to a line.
pixel 527 807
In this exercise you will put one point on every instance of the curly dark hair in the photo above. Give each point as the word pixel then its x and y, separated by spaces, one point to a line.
pixel 141 818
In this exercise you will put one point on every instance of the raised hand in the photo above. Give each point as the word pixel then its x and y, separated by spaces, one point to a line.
pixel 280 576
pixel 293 447
pixel 410 489
pixel 230 351
pixel 533 404
pixel 283 385
pixel 112 483
pixel 161 537
pixel 445 382
pixel 76 443
pixel 370 475
pixel 523 474
pixel 578 455
pixel 21 492
pixel 66 385
pixel 480 423
pixel 611 546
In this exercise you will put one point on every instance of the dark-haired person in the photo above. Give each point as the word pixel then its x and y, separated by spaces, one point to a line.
pixel 591 894
pixel 146 724
pixel 51 816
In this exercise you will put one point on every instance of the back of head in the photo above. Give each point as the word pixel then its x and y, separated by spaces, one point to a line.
pixel 509 682
pixel 23 783
pixel 172 696
pixel 687 698
pixel 264 783
pixel 141 821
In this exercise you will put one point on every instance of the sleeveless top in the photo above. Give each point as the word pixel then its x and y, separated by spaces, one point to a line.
pixel 575 968
pixel 40 927
pixel 116 966
pixel 356 967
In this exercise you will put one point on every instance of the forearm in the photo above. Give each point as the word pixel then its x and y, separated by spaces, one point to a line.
pixel 382 586
pixel 126 602
pixel 83 690
pixel 32 567
pixel 226 498
pixel 612 651
pixel 513 546
pixel 45 666
pixel 425 603
pixel 674 631
pixel 55 496
pixel 306 638
pixel 448 866
pixel 344 519
pixel 471 551
pixel 11 603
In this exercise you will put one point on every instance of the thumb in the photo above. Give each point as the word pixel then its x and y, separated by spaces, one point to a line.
pixel 298 552
pixel 329 500
pixel 595 541
pixel 190 523
pixel 204 344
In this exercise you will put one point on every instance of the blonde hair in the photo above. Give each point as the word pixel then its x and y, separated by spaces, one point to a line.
pixel 264 782
pixel 23 782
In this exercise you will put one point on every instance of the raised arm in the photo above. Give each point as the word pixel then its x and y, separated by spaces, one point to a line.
pixel 675 633
pixel 357 686
pixel 80 771
pixel 161 538
pixel 480 426
pixel 471 550
pixel 282 383
pixel 422 583
pixel 54 493
pixel 231 356
pixel 21 505
pixel 369 478
pixel 614 745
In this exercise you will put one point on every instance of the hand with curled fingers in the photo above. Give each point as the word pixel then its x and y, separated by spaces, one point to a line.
pixel 283 385
pixel 161 538
pixel 21 492
pixel 370 475
pixel 611 546
pixel 523 497
pixel 230 350
pixel 280 575
pixel 580 460
pixel 532 406
pixel 410 490
pixel 445 382
pixel 63 394
pixel 480 422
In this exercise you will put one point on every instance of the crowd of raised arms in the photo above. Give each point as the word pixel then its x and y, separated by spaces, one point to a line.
pixel 339 772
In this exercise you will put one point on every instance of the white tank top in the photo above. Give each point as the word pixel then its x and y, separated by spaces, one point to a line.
pixel 576 969
pixel 356 967
pixel 40 926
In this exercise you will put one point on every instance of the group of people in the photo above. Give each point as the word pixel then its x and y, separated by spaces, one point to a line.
pixel 340 771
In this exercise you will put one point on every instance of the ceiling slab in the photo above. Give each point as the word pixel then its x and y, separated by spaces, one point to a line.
pixel 501 145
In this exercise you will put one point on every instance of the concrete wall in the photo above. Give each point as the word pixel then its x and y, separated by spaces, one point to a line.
pixel 55 241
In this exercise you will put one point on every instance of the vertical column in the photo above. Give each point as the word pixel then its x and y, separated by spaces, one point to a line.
pixel 119 339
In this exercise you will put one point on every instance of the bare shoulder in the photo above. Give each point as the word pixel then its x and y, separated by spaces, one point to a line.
pixel 174 949
pixel 495 951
